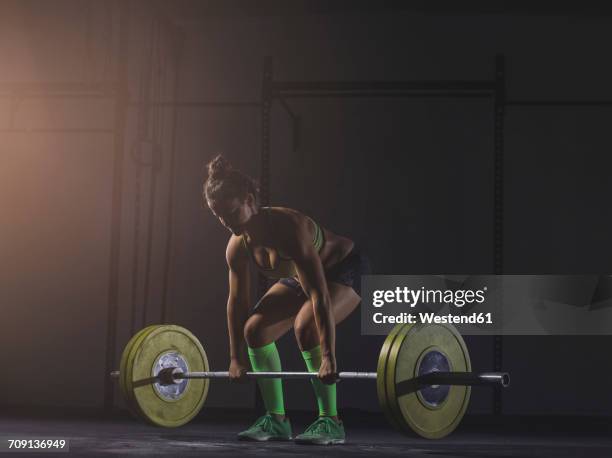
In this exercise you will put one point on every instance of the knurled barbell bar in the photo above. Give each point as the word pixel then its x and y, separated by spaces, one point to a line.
pixel 423 377
pixel 173 375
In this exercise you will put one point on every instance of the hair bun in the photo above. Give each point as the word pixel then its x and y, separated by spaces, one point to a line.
pixel 218 167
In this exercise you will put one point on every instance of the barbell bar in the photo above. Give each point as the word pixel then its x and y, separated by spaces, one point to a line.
pixel 173 375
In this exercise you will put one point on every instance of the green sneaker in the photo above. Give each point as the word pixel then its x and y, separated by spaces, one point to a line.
pixel 267 428
pixel 324 431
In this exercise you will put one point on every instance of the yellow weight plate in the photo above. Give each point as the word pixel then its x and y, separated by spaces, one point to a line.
pixel 122 364
pixel 381 368
pixel 390 372
pixel 123 372
pixel 436 411
pixel 167 346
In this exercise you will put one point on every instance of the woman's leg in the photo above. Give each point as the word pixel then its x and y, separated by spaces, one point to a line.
pixel 344 301
pixel 273 317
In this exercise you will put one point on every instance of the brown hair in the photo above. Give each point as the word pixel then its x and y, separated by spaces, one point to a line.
pixel 226 182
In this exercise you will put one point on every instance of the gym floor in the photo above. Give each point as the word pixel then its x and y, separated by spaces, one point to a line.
pixel 213 434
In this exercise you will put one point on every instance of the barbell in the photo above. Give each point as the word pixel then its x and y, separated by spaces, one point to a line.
pixel 423 377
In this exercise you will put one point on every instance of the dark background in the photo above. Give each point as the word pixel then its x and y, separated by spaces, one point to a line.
pixel 89 222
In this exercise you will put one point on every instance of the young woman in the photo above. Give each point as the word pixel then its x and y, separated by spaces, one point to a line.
pixel 319 276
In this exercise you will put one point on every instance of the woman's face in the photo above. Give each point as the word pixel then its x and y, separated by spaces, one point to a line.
pixel 233 213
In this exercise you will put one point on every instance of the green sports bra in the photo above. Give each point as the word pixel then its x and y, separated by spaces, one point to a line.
pixel 285 267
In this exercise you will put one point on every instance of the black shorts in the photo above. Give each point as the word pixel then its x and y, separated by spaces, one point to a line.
pixel 347 272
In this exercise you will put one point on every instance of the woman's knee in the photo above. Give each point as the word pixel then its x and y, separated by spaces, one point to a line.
pixel 253 331
pixel 306 333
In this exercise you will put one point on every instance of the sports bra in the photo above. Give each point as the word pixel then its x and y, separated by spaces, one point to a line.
pixel 285 267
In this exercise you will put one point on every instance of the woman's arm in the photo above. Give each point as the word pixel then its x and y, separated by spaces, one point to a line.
pixel 312 278
pixel 238 302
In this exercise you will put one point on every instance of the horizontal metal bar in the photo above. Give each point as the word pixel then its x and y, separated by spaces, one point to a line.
pixel 171 375
pixel 59 130
pixel 196 104
pixel 50 88
pixel 283 375
pixel 452 378
pixel 381 86
pixel 58 95
pixel 464 378
pixel 558 103
pixel 396 94
pixel 434 378
pixel 167 103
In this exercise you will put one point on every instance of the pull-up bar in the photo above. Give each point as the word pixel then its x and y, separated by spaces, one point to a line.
pixel 287 89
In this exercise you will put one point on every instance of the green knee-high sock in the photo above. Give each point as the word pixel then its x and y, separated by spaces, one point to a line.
pixel 326 394
pixel 266 359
